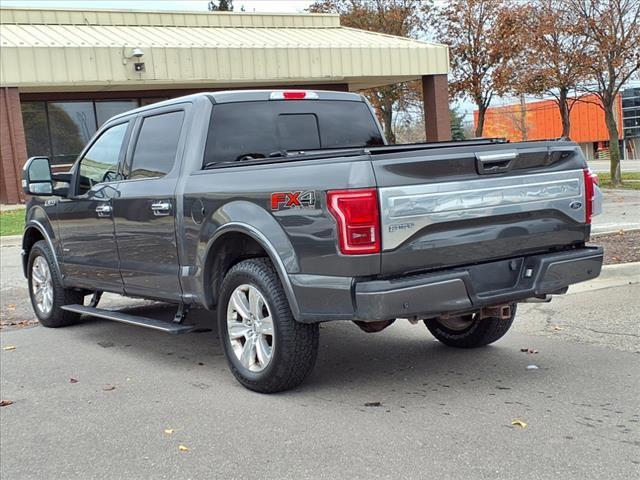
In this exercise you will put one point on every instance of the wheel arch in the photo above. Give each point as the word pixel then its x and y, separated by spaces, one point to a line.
pixel 232 243
pixel 35 231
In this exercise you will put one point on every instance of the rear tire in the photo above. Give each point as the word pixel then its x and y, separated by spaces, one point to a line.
pixel 268 350
pixel 46 290
pixel 470 331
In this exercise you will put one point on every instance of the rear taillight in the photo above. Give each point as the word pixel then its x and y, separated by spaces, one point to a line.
pixel 356 212
pixel 590 181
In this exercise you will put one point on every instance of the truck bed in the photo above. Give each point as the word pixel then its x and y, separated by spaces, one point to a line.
pixel 447 204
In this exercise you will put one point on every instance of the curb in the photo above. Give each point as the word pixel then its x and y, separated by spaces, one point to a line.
pixel 621 266
pixel 618 275
pixel 11 241
pixel 609 232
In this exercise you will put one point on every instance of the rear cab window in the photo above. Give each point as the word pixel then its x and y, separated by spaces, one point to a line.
pixel 155 150
pixel 253 130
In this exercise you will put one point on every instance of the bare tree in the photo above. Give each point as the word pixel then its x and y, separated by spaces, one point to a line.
pixel 612 30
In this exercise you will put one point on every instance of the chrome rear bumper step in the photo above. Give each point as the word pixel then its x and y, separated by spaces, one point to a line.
pixel 116 316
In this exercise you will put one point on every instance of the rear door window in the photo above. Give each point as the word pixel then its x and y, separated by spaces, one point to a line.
pixel 253 130
pixel 157 145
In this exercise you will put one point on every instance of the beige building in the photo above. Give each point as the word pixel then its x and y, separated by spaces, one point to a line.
pixel 64 72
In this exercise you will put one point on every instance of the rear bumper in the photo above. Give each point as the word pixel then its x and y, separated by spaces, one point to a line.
pixel 456 290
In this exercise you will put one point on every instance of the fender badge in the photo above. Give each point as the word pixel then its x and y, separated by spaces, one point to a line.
pixel 280 200
pixel 576 205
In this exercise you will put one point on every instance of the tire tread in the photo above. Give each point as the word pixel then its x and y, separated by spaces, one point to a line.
pixel 481 333
pixel 61 296
pixel 297 342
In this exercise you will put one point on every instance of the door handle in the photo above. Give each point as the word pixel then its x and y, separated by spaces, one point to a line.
pixel 492 162
pixel 104 210
pixel 161 208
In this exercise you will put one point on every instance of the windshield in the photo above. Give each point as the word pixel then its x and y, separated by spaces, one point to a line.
pixel 253 130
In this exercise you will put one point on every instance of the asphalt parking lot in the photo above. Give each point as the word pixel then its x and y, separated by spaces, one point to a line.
pixel 106 400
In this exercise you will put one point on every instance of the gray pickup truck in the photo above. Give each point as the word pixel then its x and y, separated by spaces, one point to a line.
pixel 279 210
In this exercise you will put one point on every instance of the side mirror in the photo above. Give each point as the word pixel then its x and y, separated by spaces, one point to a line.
pixel 36 177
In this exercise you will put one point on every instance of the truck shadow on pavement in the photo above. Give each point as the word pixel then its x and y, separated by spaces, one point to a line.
pixel 403 356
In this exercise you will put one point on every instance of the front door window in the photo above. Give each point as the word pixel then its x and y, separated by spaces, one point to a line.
pixel 100 163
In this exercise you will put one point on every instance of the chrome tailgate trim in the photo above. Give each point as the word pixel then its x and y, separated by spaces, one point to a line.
pixel 405 210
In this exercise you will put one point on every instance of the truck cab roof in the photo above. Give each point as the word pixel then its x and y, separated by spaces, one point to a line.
pixel 233 96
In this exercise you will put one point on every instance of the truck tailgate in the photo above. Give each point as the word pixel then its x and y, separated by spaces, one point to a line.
pixel 464 205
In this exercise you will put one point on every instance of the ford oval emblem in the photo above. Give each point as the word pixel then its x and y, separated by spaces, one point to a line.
pixel 576 205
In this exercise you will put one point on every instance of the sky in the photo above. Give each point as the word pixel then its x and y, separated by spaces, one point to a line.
pixel 275 6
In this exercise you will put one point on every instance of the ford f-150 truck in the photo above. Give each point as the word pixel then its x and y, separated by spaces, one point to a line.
pixel 279 210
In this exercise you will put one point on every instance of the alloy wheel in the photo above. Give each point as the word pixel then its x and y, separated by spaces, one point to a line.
pixel 42 285
pixel 250 328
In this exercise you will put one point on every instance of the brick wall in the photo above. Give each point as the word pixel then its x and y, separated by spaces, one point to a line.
pixel 13 149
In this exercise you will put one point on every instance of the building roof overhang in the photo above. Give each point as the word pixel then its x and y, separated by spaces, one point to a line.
pixel 88 50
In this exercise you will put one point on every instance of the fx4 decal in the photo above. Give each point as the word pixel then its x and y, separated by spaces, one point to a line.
pixel 280 200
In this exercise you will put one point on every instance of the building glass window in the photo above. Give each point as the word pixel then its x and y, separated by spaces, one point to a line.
pixel 631 112
pixel 107 109
pixel 36 129
pixel 631 122
pixel 151 100
pixel 630 102
pixel 60 130
pixel 72 125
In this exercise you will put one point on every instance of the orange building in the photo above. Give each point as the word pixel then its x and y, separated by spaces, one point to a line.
pixel 541 120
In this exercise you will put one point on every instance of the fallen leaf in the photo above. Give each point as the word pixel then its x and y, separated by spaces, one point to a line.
pixel 373 404
pixel 9 347
pixel 532 367
pixel 11 307
pixel 168 431
pixel 182 448
pixel 108 388
pixel 519 423
pixel 557 328
pixel 73 380
pixel 621 232
pixel 5 403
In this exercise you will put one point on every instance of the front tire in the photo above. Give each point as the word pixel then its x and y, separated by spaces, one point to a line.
pixel 266 349
pixel 46 290
pixel 470 331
